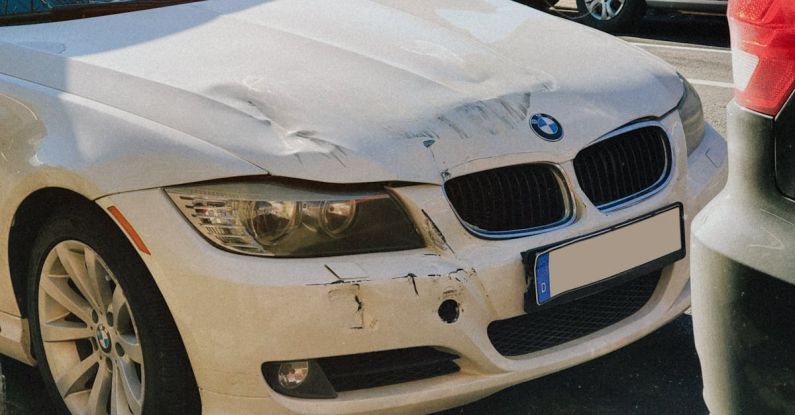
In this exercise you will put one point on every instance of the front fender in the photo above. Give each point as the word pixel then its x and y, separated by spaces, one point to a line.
pixel 52 139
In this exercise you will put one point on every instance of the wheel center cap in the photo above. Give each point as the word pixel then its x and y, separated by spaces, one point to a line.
pixel 103 338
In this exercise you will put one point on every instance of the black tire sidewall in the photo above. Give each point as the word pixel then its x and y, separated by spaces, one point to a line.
pixel 164 356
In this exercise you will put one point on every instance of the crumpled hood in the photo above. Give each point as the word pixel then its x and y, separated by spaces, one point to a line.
pixel 352 90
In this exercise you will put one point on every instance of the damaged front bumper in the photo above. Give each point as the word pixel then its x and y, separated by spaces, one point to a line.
pixel 236 313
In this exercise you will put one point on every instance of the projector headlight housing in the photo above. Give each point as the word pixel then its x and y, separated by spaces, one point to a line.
pixel 279 219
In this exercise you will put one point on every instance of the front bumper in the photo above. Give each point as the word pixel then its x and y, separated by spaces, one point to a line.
pixel 236 312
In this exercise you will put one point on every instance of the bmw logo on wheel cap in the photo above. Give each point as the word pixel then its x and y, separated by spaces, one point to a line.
pixel 103 338
pixel 546 127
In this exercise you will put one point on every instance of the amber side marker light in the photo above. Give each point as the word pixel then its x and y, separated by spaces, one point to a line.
pixel 129 230
pixel 763 48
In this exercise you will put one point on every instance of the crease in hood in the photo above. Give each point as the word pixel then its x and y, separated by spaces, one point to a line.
pixel 351 90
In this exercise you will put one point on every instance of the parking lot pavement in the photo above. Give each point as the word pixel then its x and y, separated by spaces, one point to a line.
pixel 657 375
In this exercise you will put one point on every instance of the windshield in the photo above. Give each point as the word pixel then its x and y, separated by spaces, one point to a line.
pixel 32 11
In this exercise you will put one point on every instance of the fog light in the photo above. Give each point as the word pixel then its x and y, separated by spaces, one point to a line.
pixel 299 379
pixel 293 374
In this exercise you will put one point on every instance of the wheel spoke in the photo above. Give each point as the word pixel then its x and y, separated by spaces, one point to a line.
pixel 604 11
pixel 132 347
pixel 61 331
pixel 100 391
pixel 118 305
pixel 130 385
pixel 75 265
pixel 118 400
pixel 98 276
pixel 59 290
pixel 75 378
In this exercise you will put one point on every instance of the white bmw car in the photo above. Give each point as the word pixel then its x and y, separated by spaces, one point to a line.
pixel 316 207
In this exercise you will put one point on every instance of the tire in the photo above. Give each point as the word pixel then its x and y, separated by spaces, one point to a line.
pixel 617 16
pixel 135 344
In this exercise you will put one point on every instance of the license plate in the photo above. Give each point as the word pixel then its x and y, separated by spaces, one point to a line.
pixel 610 253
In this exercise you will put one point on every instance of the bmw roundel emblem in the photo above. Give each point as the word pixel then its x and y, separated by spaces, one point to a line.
pixel 103 338
pixel 546 127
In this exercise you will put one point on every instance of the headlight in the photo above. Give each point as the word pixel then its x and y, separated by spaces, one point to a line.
pixel 692 115
pixel 280 220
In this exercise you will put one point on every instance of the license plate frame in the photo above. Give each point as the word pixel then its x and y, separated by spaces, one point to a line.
pixel 534 300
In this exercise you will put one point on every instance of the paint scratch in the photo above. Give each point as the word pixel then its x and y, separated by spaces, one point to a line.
pixel 411 278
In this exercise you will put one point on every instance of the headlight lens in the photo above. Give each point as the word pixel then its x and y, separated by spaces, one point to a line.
pixel 337 217
pixel 691 113
pixel 280 220
pixel 268 222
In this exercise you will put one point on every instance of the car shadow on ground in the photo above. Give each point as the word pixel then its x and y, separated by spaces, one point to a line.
pixel 25 394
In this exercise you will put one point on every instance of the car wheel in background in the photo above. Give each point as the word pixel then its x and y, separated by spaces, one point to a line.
pixel 611 15
pixel 101 331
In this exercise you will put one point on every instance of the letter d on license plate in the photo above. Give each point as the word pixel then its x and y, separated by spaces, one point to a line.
pixel 589 260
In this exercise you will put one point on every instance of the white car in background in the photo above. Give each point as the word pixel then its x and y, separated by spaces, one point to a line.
pixel 360 206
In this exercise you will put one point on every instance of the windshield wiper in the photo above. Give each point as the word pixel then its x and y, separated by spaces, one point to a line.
pixel 80 11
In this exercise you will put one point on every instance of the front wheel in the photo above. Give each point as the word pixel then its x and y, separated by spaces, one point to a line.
pixel 611 15
pixel 101 332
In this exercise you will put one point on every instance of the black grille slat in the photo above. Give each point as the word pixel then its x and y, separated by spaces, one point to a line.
pixel 565 322
pixel 375 369
pixel 637 182
pixel 629 164
pixel 632 183
pixel 513 198
pixel 516 182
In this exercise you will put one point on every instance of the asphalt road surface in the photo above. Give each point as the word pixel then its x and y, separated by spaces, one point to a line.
pixel 659 374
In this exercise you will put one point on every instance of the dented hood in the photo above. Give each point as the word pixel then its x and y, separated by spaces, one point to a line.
pixel 353 90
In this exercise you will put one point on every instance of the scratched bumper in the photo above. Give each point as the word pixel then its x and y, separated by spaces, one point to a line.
pixel 236 312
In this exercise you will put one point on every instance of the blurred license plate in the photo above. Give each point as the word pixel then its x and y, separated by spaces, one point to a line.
pixel 610 253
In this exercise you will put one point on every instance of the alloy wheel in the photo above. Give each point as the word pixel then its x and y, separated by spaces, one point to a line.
pixel 89 334
pixel 604 9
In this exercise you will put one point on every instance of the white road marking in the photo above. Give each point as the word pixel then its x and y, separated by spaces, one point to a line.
pixel 691 48
pixel 711 83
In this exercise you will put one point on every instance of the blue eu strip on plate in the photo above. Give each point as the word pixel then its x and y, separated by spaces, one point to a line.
pixel 542 279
